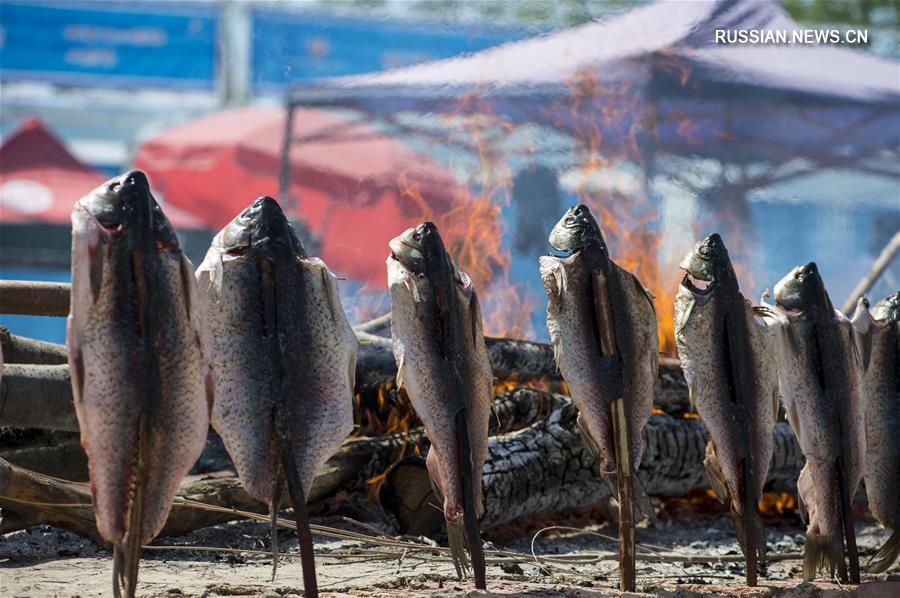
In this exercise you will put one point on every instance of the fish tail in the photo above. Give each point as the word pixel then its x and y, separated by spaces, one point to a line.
pixel 822 553
pixel 125 569
pixel 301 517
pixel 886 555
pixel 276 505
pixel 642 498
pixel 456 538
pixel 470 520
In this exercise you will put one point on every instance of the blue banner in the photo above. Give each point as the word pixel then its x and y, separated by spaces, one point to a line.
pixel 289 47
pixel 109 44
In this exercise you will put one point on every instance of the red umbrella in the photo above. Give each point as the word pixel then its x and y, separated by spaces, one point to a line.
pixel 40 180
pixel 345 178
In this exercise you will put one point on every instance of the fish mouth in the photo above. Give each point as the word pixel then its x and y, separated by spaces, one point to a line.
pixel 696 285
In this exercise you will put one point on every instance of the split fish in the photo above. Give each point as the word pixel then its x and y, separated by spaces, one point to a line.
pixel 574 283
pixel 280 359
pixel 820 375
pixel 726 355
pixel 135 360
pixel 443 364
pixel 880 347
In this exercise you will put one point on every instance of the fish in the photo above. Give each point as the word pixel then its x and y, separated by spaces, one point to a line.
pixel 442 363
pixel 573 284
pixel 727 354
pixel 280 358
pixel 820 375
pixel 135 358
pixel 879 345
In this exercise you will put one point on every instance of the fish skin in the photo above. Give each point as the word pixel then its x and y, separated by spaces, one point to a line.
pixel 108 359
pixel 312 370
pixel 701 335
pixel 569 283
pixel 825 405
pixel 426 368
pixel 880 334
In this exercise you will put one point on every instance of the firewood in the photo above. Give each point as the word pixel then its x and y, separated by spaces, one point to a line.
pixel 19 349
pixel 37 396
pixel 542 467
pixel 30 298
pixel 25 386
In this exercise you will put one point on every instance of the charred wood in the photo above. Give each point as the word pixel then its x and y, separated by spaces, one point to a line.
pixel 29 298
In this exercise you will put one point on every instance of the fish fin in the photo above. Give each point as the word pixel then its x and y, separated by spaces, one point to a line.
pixel 475 317
pixel 822 554
pixel 456 538
pixel 801 510
pixel 642 499
pixel 692 392
pixel 97 253
pixel 886 555
pixel 561 284
pixel 757 529
pixel 865 349
pixel 400 368
pixel 775 403
pixel 331 293
pixel 716 476
pixel 612 483
pixel 187 283
pixel 76 360
pixel 588 439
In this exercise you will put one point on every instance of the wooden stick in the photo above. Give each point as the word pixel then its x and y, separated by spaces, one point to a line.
pixel 20 349
pixel 37 396
pixel 622 436
pixel 30 298
pixel 881 263
pixel 847 522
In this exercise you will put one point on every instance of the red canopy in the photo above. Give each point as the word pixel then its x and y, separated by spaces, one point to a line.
pixel 40 180
pixel 345 177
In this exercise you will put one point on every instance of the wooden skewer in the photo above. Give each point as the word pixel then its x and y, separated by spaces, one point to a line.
pixel 622 436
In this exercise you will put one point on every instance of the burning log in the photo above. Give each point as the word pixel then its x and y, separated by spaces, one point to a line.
pixel 546 467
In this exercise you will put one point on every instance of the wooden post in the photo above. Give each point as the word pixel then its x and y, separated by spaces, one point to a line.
pixel 622 437
pixel 29 298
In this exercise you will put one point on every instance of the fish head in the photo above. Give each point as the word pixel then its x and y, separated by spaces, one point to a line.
pixel 262 227
pixel 577 230
pixel 802 290
pixel 888 309
pixel 707 267
pixel 421 250
pixel 126 210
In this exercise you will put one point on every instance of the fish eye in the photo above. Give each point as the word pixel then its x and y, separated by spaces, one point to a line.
pixel 417 236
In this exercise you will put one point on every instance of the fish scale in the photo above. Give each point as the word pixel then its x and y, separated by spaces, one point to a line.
pixel 139 445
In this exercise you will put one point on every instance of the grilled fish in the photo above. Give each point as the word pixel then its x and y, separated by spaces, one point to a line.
pixel 135 359
pixel 281 359
pixel 880 347
pixel 443 365
pixel 726 356
pixel 573 285
pixel 820 374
